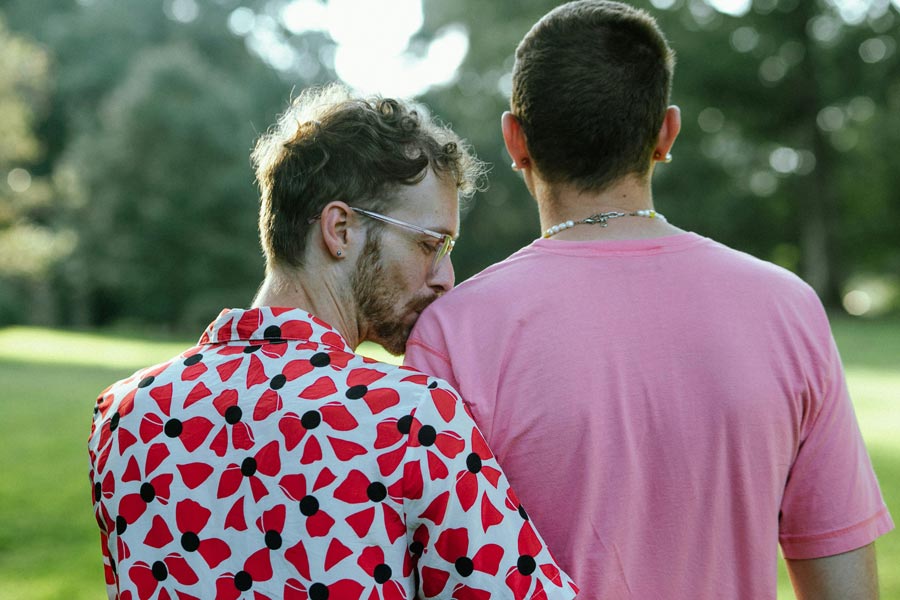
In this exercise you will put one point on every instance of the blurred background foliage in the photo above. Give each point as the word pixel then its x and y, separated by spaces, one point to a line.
pixel 127 197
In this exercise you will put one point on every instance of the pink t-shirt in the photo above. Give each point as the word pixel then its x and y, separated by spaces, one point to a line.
pixel 669 408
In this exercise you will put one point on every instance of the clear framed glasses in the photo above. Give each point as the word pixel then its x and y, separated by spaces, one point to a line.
pixel 441 250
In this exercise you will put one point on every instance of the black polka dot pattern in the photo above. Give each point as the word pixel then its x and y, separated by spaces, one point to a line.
pixel 233 414
pixel 382 573
pixel 273 540
pixel 464 566
pixel 190 541
pixel 318 591
pixel 243 581
pixel 356 392
pixel 320 359
pixel 427 435
pixel 173 428
pixel 473 463
pixel 248 467
pixel 311 419
pixel 404 424
pixel 309 506
pixel 526 564
pixel 376 491
pixel 147 492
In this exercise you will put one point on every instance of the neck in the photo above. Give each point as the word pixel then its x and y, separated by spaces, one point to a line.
pixel 561 203
pixel 321 296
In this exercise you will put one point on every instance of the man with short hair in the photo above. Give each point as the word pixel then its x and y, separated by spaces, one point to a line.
pixel 670 408
pixel 270 460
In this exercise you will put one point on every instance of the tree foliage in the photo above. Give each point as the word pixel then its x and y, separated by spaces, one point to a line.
pixel 132 122
pixel 789 117
pixel 29 244
pixel 167 200
pixel 151 125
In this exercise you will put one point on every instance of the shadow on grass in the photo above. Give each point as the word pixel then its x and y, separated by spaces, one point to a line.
pixel 49 542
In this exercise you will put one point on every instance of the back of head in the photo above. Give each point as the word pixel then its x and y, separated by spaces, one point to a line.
pixel 591 85
pixel 330 145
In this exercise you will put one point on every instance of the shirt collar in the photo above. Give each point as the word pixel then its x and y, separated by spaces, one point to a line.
pixel 270 324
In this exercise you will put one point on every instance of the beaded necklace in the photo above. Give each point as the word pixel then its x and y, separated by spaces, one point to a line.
pixel 601 219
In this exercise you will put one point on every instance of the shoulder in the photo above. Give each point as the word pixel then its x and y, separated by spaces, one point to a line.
pixel 490 284
pixel 142 378
pixel 742 266
pixel 413 388
pixel 417 387
pixel 425 396
pixel 769 294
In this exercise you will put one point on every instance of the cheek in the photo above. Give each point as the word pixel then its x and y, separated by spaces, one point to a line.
pixel 411 279
pixel 410 276
pixel 398 284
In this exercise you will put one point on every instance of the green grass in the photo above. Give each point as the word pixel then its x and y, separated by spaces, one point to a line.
pixel 49 547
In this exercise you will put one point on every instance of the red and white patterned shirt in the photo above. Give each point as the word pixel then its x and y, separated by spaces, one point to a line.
pixel 270 461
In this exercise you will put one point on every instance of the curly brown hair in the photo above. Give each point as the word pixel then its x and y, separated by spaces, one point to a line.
pixel 330 145
pixel 591 84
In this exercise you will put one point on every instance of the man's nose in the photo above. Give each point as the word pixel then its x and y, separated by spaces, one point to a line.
pixel 442 277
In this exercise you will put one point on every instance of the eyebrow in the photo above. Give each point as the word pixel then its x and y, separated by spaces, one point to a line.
pixel 443 231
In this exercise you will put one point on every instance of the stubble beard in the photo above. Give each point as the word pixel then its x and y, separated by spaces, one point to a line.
pixel 376 297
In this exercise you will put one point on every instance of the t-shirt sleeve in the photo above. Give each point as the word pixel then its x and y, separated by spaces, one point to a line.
pixel 426 349
pixel 469 536
pixel 832 502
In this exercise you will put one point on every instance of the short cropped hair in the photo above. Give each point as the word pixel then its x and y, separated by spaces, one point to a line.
pixel 591 85
pixel 330 145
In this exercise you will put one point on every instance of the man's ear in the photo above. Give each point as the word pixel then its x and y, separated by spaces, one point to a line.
pixel 334 223
pixel 514 138
pixel 667 133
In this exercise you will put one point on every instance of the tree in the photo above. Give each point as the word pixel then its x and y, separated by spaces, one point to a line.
pixel 149 131
pixel 29 242
pixel 772 109
pixel 783 109
pixel 167 216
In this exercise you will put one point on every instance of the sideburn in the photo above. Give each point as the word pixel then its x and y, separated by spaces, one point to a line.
pixel 375 301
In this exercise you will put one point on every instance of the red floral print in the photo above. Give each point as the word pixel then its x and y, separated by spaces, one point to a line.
pixel 270 461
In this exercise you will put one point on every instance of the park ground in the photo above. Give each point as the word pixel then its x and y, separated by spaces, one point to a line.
pixel 49 546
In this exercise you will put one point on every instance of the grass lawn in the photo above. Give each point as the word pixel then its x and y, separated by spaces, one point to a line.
pixel 49 546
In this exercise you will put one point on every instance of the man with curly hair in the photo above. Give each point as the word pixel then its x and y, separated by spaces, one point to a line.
pixel 270 460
